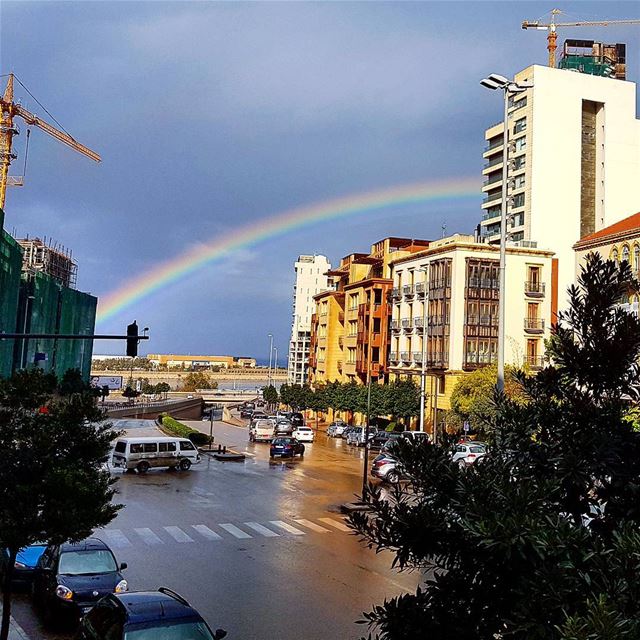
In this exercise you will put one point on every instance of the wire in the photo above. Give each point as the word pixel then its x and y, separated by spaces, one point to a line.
pixel 40 103
pixel 26 153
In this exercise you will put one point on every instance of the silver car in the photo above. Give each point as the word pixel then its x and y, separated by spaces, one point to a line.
pixel 468 453
pixel 336 429
pixel 358 436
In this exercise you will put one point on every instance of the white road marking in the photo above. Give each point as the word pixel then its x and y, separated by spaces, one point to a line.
pixel 205 532
pixel 287 527
pixel 234 531
pixel 341 526
pixel 116 538
pixel 178 534
pixel 267 533
pixel 148 536
pixel 312 525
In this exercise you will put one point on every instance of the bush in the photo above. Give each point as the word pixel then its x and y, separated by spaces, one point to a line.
pixel 183 431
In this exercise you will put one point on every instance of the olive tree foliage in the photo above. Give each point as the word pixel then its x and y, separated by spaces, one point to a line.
pixel 540 541
pixel 53 486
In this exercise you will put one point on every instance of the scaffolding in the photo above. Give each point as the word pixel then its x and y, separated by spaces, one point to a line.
pixel 40 256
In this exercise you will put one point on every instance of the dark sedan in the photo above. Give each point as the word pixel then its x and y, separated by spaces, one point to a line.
pixel 71 578
pixel 25 565
pixel 286 448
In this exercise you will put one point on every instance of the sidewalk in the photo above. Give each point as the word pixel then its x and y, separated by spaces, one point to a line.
pixel 16 632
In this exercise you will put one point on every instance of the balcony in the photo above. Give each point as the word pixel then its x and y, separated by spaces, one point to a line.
pixel 534 288
pixel 492 180
pixel 488 321
pixel 483 283
pixel 394 357
pixel 406 323
pixel 535 362
pixel 495 197
pixel 491 214
pixel 417 357
pixel 438 360
pixel 480 358
pixel 494 144
pixel 418 322
pixel 395 325
pixel 405 356
pixel 395 293
pixel 407 290
pixel 534 325
pixel 420 288
pixel 493 162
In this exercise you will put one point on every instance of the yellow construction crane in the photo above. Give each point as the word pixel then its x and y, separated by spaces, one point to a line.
pixel 553 25
pixel 7 130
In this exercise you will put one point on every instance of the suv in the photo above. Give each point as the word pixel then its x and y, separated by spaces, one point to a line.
pixel 297 419
pixel 336 428
pixel 71 578
pixel 140 613
pixel 467 453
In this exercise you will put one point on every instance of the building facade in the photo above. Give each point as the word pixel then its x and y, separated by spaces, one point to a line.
pixel 311 279
pixel 204 362
pixel 444 308
pixel 350 326
pixel 574 162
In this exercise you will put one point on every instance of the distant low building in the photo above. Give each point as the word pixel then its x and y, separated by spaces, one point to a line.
pixel 205 362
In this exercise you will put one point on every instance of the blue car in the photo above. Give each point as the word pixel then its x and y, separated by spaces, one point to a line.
pixel 141 615
pixel 25 565
pixel 286 448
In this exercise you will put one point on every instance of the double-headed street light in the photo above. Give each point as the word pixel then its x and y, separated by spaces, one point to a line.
pixel 270 354
pixel 425 337
pixel 509 88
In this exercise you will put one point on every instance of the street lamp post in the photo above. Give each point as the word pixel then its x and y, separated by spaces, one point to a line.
pixel 23 355
pixel 425 337
pixel 270 354
pixel 509 87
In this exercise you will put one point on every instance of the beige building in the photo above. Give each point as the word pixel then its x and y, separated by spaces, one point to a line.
pixel 574 162
pixel 225 362
pixel 447 295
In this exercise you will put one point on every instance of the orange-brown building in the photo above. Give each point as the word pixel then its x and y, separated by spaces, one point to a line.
pixel 350 327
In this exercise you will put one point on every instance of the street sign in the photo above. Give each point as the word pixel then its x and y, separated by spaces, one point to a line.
pixel 465 426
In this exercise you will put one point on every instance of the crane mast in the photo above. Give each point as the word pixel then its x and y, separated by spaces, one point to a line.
pixel 10 110
pixel 552 26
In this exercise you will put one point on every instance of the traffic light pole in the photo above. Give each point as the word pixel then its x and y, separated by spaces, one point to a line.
pixel 66 336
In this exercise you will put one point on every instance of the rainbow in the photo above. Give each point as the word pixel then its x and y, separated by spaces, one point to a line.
pixel 221 246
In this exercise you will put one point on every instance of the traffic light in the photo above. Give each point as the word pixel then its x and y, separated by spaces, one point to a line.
pixel 132 340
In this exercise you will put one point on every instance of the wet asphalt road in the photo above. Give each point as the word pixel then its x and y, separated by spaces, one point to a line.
pixel 257 547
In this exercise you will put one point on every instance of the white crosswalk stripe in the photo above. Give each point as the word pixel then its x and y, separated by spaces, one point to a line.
pixel 287 527
pixel 148 536
pixel 262 530
pixel 205 532
pixel 178 534
pixel 341 526
pixel 115 538
pixel 312 525
pixel 234 531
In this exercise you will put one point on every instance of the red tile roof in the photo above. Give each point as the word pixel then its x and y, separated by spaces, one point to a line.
pixel 630 224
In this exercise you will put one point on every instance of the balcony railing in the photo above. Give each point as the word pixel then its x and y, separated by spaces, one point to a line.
pixel 535 362
pixel 532 287
pixel 493 145
pixel 418 322
pixel 483 283
pixel 394 357
pixel 420 288
pixel 395 293
pixel 534 325
pixel 417 357
pixel 395 325
pixel 439 283
pixel 407 290
pixel 489 215
pixel 493 162
pixel 406 323
pixel 405 356
pixel 480 358
pixel 488 181
pixel 492 198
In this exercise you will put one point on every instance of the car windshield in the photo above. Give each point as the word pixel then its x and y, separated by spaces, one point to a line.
pixel 168 631
pixel 282 441
pixel 78 563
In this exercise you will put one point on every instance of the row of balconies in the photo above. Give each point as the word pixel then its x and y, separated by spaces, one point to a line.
pixel 418 289
pixel 439 359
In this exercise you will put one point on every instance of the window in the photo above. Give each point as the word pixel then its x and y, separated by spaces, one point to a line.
pixel 135 448
pixel 520 125
pixel 520 144
pixel 517 200
pixel 518 182
pixel 517 163
pixel 636 258
pixel 150 447
pixel 614 256
pixel 167 446
pixel 517 220
pixel 185 445
pixel 625 253
pixel 120 447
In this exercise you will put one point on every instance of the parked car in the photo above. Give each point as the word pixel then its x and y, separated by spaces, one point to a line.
pixel 24 567
pixel 286 448
pixel 258 415
pixel 346 431
pixel 303 434
pixel 468 453
pixel 284 427
pixel 297 419
pixel 385 467
pixel 416 436
pixel 146 452
pixel 246 413
pixel 380 438
pixel 335 429
pixel 70 578
pixel 261 430
pixel 358 435
pixel 144 614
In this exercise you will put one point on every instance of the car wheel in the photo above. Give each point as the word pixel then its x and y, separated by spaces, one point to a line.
pixel 143 467
pixel 392 477
pixel 185 464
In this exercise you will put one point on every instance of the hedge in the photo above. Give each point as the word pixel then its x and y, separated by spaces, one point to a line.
pixel 183 431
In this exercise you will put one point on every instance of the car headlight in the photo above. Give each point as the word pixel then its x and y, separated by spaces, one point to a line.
pixel 64 593
pixel 121 587
pixel 19 565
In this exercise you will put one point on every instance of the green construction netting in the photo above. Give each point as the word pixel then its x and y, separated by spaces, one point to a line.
pixel 10 266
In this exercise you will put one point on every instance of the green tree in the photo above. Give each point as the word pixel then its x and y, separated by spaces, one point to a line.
pixel 129 392
pixel 52 484
pixel 472 397
pixel 163 387
pixel 542 540
pixel 198 380
pixel 404 399
pixel 270 395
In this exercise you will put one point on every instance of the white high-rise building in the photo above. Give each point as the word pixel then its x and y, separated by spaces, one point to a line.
pixel 574 162
pixel 311 279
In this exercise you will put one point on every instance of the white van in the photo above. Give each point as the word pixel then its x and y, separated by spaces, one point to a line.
pixel 261 430
pixel 144 453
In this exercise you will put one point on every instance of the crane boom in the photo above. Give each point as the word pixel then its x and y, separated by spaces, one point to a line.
pixel 551 27
pixel 8 111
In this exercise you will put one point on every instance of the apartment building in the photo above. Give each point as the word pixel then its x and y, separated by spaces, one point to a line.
pixel 574 159
pixel 447 296
pixel 311 278
pixel 350 326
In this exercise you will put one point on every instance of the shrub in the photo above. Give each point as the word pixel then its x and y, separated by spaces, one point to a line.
pixel 198 438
